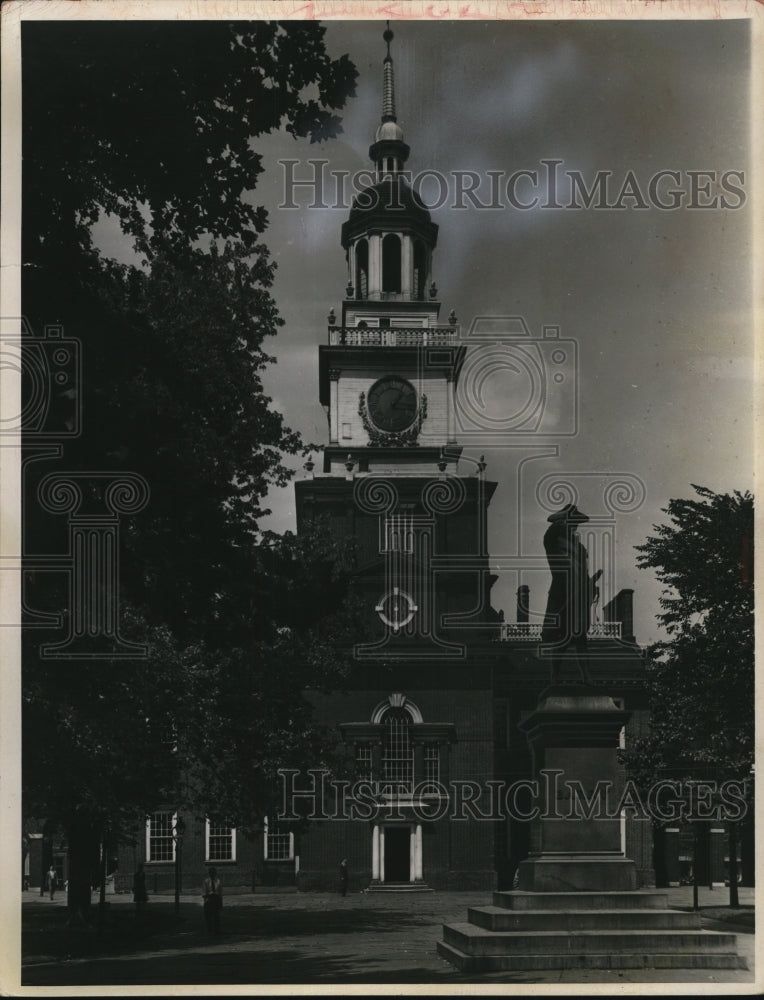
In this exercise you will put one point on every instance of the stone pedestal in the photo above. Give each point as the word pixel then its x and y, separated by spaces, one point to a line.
pixel 576 839
pixel 577 906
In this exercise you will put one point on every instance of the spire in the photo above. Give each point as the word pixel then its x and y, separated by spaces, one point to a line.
pixel 388 84
pixel 389 152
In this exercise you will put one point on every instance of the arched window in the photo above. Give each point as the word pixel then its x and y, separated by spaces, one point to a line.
pixel 391 263
pixel 362 270
pixel 397 752
pixel 420 269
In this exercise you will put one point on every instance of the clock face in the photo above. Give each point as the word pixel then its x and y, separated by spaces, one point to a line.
pixel 393 403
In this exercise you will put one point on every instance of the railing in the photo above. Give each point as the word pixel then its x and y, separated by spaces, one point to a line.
pixel 531 631
pixel 407 336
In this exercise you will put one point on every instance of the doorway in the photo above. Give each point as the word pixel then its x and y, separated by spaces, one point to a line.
pixel 397 854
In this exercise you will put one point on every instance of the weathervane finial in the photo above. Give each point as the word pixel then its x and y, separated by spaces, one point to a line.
pixel 388 37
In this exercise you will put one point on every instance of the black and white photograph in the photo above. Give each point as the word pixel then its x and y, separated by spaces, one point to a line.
pixel 378 440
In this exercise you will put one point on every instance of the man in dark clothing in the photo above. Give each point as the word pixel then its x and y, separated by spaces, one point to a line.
pixel 213 901
pixel 568 610
pixel 140 896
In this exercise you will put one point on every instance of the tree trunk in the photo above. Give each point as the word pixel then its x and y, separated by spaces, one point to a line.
pixel 83 842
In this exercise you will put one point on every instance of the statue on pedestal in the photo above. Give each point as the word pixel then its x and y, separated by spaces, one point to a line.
pixel 568 610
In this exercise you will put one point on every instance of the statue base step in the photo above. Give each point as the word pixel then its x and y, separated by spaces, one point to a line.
pixel 577 873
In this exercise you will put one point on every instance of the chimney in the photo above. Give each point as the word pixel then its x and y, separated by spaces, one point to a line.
pixel 621 609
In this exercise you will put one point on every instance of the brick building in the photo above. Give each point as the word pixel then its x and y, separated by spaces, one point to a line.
pixel 429 720
pixel 429 717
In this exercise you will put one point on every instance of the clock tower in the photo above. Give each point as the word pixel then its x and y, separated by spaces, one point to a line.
pixel 388 372
pixel 417 710
pixel 387 377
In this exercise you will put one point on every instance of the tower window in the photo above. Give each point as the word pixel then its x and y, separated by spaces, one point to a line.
pixel 362 270
pixel 391 263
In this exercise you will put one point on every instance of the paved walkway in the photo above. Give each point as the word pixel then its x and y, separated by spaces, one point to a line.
pixel 308 938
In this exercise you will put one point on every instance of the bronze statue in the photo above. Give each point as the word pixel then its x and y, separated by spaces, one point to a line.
pixel 568 610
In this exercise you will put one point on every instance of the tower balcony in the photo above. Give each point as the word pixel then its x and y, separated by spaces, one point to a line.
pixel 407 336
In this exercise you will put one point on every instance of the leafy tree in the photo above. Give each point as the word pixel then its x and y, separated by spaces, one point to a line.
pixel 700 680
pixel 250 712
pixel 155 123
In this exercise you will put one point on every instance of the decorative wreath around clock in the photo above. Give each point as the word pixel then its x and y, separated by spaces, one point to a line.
pixel 390 389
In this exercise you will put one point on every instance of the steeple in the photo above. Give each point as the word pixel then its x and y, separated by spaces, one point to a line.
pixel 375 376
pixel 389 152
pixel 388 87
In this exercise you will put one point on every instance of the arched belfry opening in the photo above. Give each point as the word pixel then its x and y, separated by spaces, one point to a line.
pixel 391 263
pixel 362 269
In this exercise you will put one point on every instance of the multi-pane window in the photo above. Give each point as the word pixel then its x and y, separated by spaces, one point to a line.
pixel 431 764
pixel 279 846
pixel 221 841
pixel 397 752
pixel 160 842
pixel 363 770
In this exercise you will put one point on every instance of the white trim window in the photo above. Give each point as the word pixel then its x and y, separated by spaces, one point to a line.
pixel 277 844
pixel 219 841
pixel 160 839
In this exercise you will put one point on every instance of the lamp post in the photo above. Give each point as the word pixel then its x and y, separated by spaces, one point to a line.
pixel 177 833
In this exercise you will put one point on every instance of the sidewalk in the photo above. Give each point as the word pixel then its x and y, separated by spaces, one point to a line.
pixel 307 938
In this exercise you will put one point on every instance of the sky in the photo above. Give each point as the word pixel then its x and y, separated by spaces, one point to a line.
pixel 658 301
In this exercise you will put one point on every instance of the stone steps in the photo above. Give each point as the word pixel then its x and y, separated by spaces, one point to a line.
pixel 477 940
pixel 638 899
pixel 603 961
pixel 527 931
pixel 497 918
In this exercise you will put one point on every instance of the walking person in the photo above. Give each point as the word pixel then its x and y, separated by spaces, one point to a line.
pixel 213 901
pixel 140 896
pixel 50 880
pixel 344 876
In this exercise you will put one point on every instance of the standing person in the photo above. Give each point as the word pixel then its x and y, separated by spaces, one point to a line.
pixel 140 896
pixel 50 880
pixel 344 876
pixel 213 901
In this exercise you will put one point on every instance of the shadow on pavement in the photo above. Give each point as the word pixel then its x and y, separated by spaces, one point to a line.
pixel 244 968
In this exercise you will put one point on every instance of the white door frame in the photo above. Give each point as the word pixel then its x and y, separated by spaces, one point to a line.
pixel 378 850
